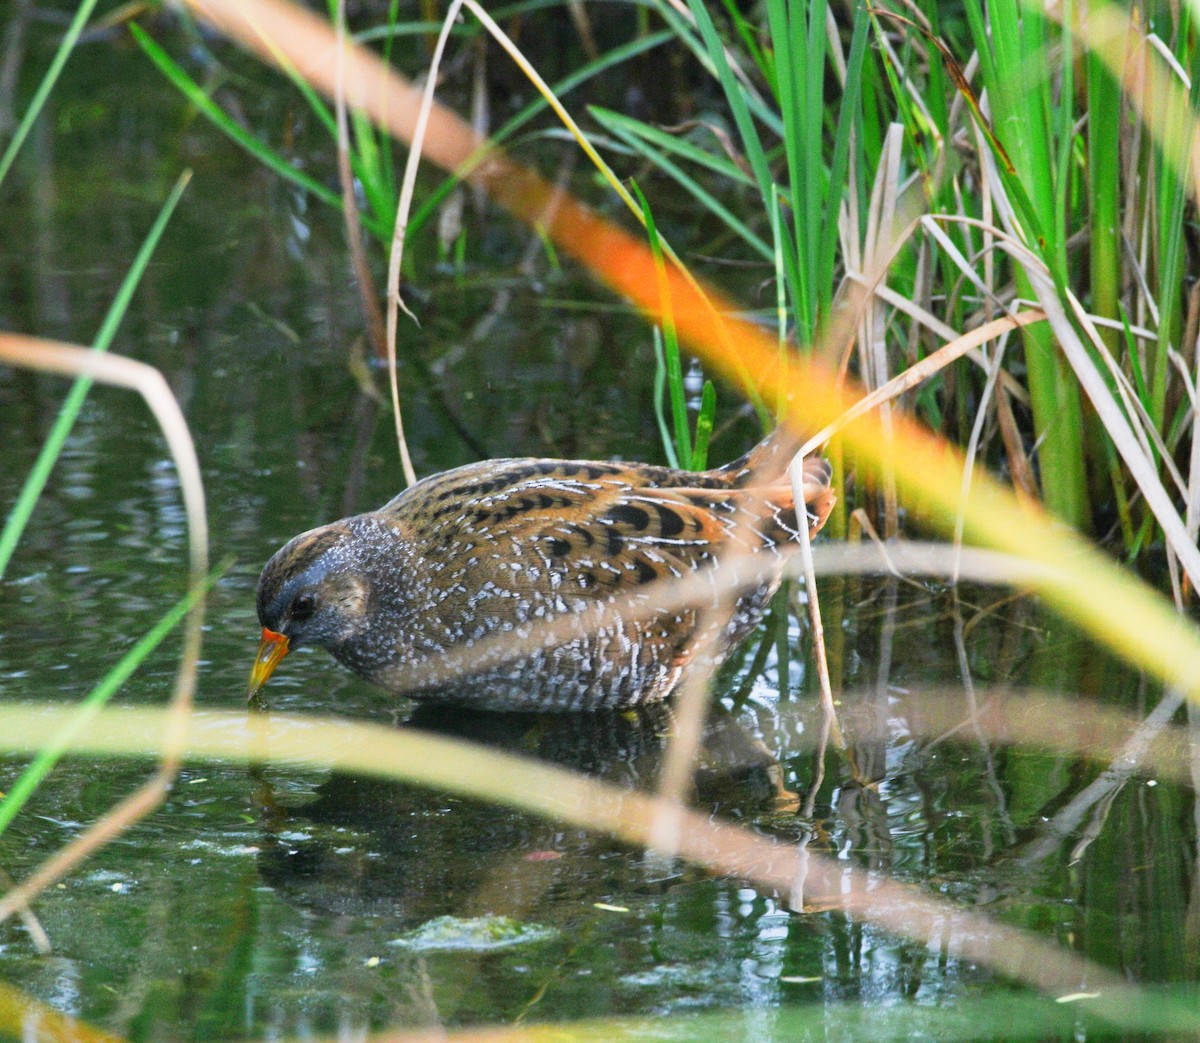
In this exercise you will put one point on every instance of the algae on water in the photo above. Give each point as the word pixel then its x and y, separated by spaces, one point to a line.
pixel 479 932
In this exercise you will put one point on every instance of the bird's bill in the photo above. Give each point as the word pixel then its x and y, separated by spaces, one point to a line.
pixel 273 648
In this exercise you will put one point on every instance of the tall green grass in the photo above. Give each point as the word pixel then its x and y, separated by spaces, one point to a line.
pixel 1105 209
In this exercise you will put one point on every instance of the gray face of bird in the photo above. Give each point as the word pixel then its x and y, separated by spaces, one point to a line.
pixel 313 591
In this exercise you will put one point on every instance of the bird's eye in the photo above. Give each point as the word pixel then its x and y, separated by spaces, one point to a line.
pixel 303 607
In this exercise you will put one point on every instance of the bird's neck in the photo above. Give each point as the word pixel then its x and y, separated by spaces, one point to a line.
pixel 395 638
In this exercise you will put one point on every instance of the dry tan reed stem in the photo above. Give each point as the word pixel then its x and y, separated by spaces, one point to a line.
pixel 923 370
pixel 568 797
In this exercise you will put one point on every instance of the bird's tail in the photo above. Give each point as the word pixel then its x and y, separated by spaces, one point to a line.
pixel 766 463
pixel 819 497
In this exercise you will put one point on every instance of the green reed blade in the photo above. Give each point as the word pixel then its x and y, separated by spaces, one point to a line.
pixel 704 426
pixel 816 201
pixel 746 34
pixel 17 519
pixel 379 188
pixel 735 96
pixel 1104 195
pixel 271 159
pixel 660 387
pixel 683 440
pixel 788 60
pixel 848 115
pixel 563 87
pixel 197 96
pixel 682 148
pixel 82 14
pixel 388 175
pixel 1066 137
pixel 699 45
pixel 1172 193
pixel 705 198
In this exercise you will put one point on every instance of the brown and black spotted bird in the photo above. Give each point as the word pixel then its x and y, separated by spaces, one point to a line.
pixel 522 584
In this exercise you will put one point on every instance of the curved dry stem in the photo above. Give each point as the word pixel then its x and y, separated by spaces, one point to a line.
pixel 72 360
pixel 738 569
pixel 400 229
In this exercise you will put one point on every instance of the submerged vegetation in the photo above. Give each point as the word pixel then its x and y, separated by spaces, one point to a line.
pixel 948 247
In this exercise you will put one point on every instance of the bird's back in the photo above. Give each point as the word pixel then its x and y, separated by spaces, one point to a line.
pixel 501 548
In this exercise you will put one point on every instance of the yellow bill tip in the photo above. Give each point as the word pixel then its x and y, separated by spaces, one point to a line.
pixel 272 649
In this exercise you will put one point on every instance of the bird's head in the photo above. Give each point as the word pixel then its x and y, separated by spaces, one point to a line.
pixel 311 592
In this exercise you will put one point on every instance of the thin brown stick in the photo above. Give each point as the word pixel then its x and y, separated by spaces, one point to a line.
pixel 687 734
pixel 796 474
pixel 354 235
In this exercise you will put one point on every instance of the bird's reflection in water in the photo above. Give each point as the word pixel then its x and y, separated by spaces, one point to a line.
pixel 365 846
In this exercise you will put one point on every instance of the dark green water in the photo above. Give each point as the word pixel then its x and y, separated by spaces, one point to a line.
pixel 282 903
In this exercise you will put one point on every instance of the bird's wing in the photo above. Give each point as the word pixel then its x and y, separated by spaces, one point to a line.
pixel 579 537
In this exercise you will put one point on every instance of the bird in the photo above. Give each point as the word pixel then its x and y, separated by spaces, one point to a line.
pixel 528 584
